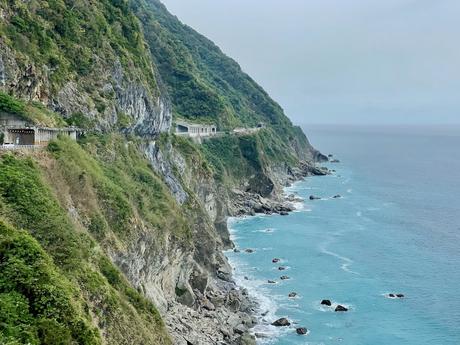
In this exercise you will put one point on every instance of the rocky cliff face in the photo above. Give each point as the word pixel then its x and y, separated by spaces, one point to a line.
pixel 153 203
pixel 144 113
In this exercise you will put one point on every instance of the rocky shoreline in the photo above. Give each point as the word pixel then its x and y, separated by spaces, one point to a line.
pixel 225 313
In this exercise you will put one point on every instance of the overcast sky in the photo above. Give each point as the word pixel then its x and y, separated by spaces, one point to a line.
pixel 342 61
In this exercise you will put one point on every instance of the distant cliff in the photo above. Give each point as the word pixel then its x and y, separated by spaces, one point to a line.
pixel 118 238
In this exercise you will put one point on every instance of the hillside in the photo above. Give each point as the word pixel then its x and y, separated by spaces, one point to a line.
pixel 117 238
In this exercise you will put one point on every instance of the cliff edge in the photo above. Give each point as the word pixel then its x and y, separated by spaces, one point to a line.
pixel 118 237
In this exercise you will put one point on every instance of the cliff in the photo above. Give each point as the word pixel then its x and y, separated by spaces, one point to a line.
pixel 118 238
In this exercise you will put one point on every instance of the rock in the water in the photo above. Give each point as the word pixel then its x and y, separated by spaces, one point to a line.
pixel 338 196
pixel 281 322
pixel 247 339
pixel 236 250
pixel 246 278
pixel 262 335
pixel 326 302
pixel 284 213
pixel 284 277
pixel 275 260
pixel 400 295
pixel 249 250
pixel 341 308
pixel 335 161
pixel 281 268
pixel 292 294
pixel 392 295
pixel 271 282
pixel 240 329
pixel 330 155
pixel 301 331
pixel 314 197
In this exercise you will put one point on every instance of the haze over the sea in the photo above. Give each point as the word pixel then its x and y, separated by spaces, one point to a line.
pixel 335 61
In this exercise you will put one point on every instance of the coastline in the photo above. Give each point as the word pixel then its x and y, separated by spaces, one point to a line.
pixel 265 307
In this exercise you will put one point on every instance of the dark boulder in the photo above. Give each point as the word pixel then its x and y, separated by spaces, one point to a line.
pixel 292 294
pixel 281 268
pixel 400 295
pixel 338 196
pixel 240 329
pixel 392 295
pixel 284 213
pixel 281 322
pixel 249 250
pixel 326 302
pixel 275 260
pixel 341 308
pixel 271 282
pixel 284 277
pixel 301 331
pixel 313 197
pixel 335 161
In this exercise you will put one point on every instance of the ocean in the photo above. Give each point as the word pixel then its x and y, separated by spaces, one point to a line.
pixel 395 229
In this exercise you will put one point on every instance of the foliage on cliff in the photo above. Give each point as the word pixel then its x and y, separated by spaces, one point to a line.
pixel 204 83
pixel 64 212
pixel 57 284
pixel 75 38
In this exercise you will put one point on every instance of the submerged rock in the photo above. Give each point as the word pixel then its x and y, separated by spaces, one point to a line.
pixel 284 213
pixel 335 161
pixel 281 322
pixel 271 282
pixel 338 196
pixel 314 197
pixel 262 335
pixel 292 294
pixel 284 277
pixel 326 302
pixel 301 331
pixel 281 268
pixel 249 250
pixel 341 308
pixel 275 260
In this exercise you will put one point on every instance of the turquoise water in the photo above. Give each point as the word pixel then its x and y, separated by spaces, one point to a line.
pixel 396 230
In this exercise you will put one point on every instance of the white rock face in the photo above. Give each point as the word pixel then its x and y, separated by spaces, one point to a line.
pixel 161 165
pixel 2 72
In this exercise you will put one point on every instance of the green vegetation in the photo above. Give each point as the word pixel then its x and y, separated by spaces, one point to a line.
pixel 204 84
pixel 37 302
pixel 52 299
pixel 121 184
pixel 62 211
pixel 32 111
pixel 65 36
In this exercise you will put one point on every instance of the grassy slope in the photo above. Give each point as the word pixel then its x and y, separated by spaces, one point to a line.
pixel 57 285
pixel 203 82
pixel 76 41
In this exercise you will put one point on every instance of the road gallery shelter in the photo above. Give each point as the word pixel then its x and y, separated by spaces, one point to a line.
pixel 19 132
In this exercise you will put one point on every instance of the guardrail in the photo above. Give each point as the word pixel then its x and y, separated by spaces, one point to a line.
pixel 21 147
